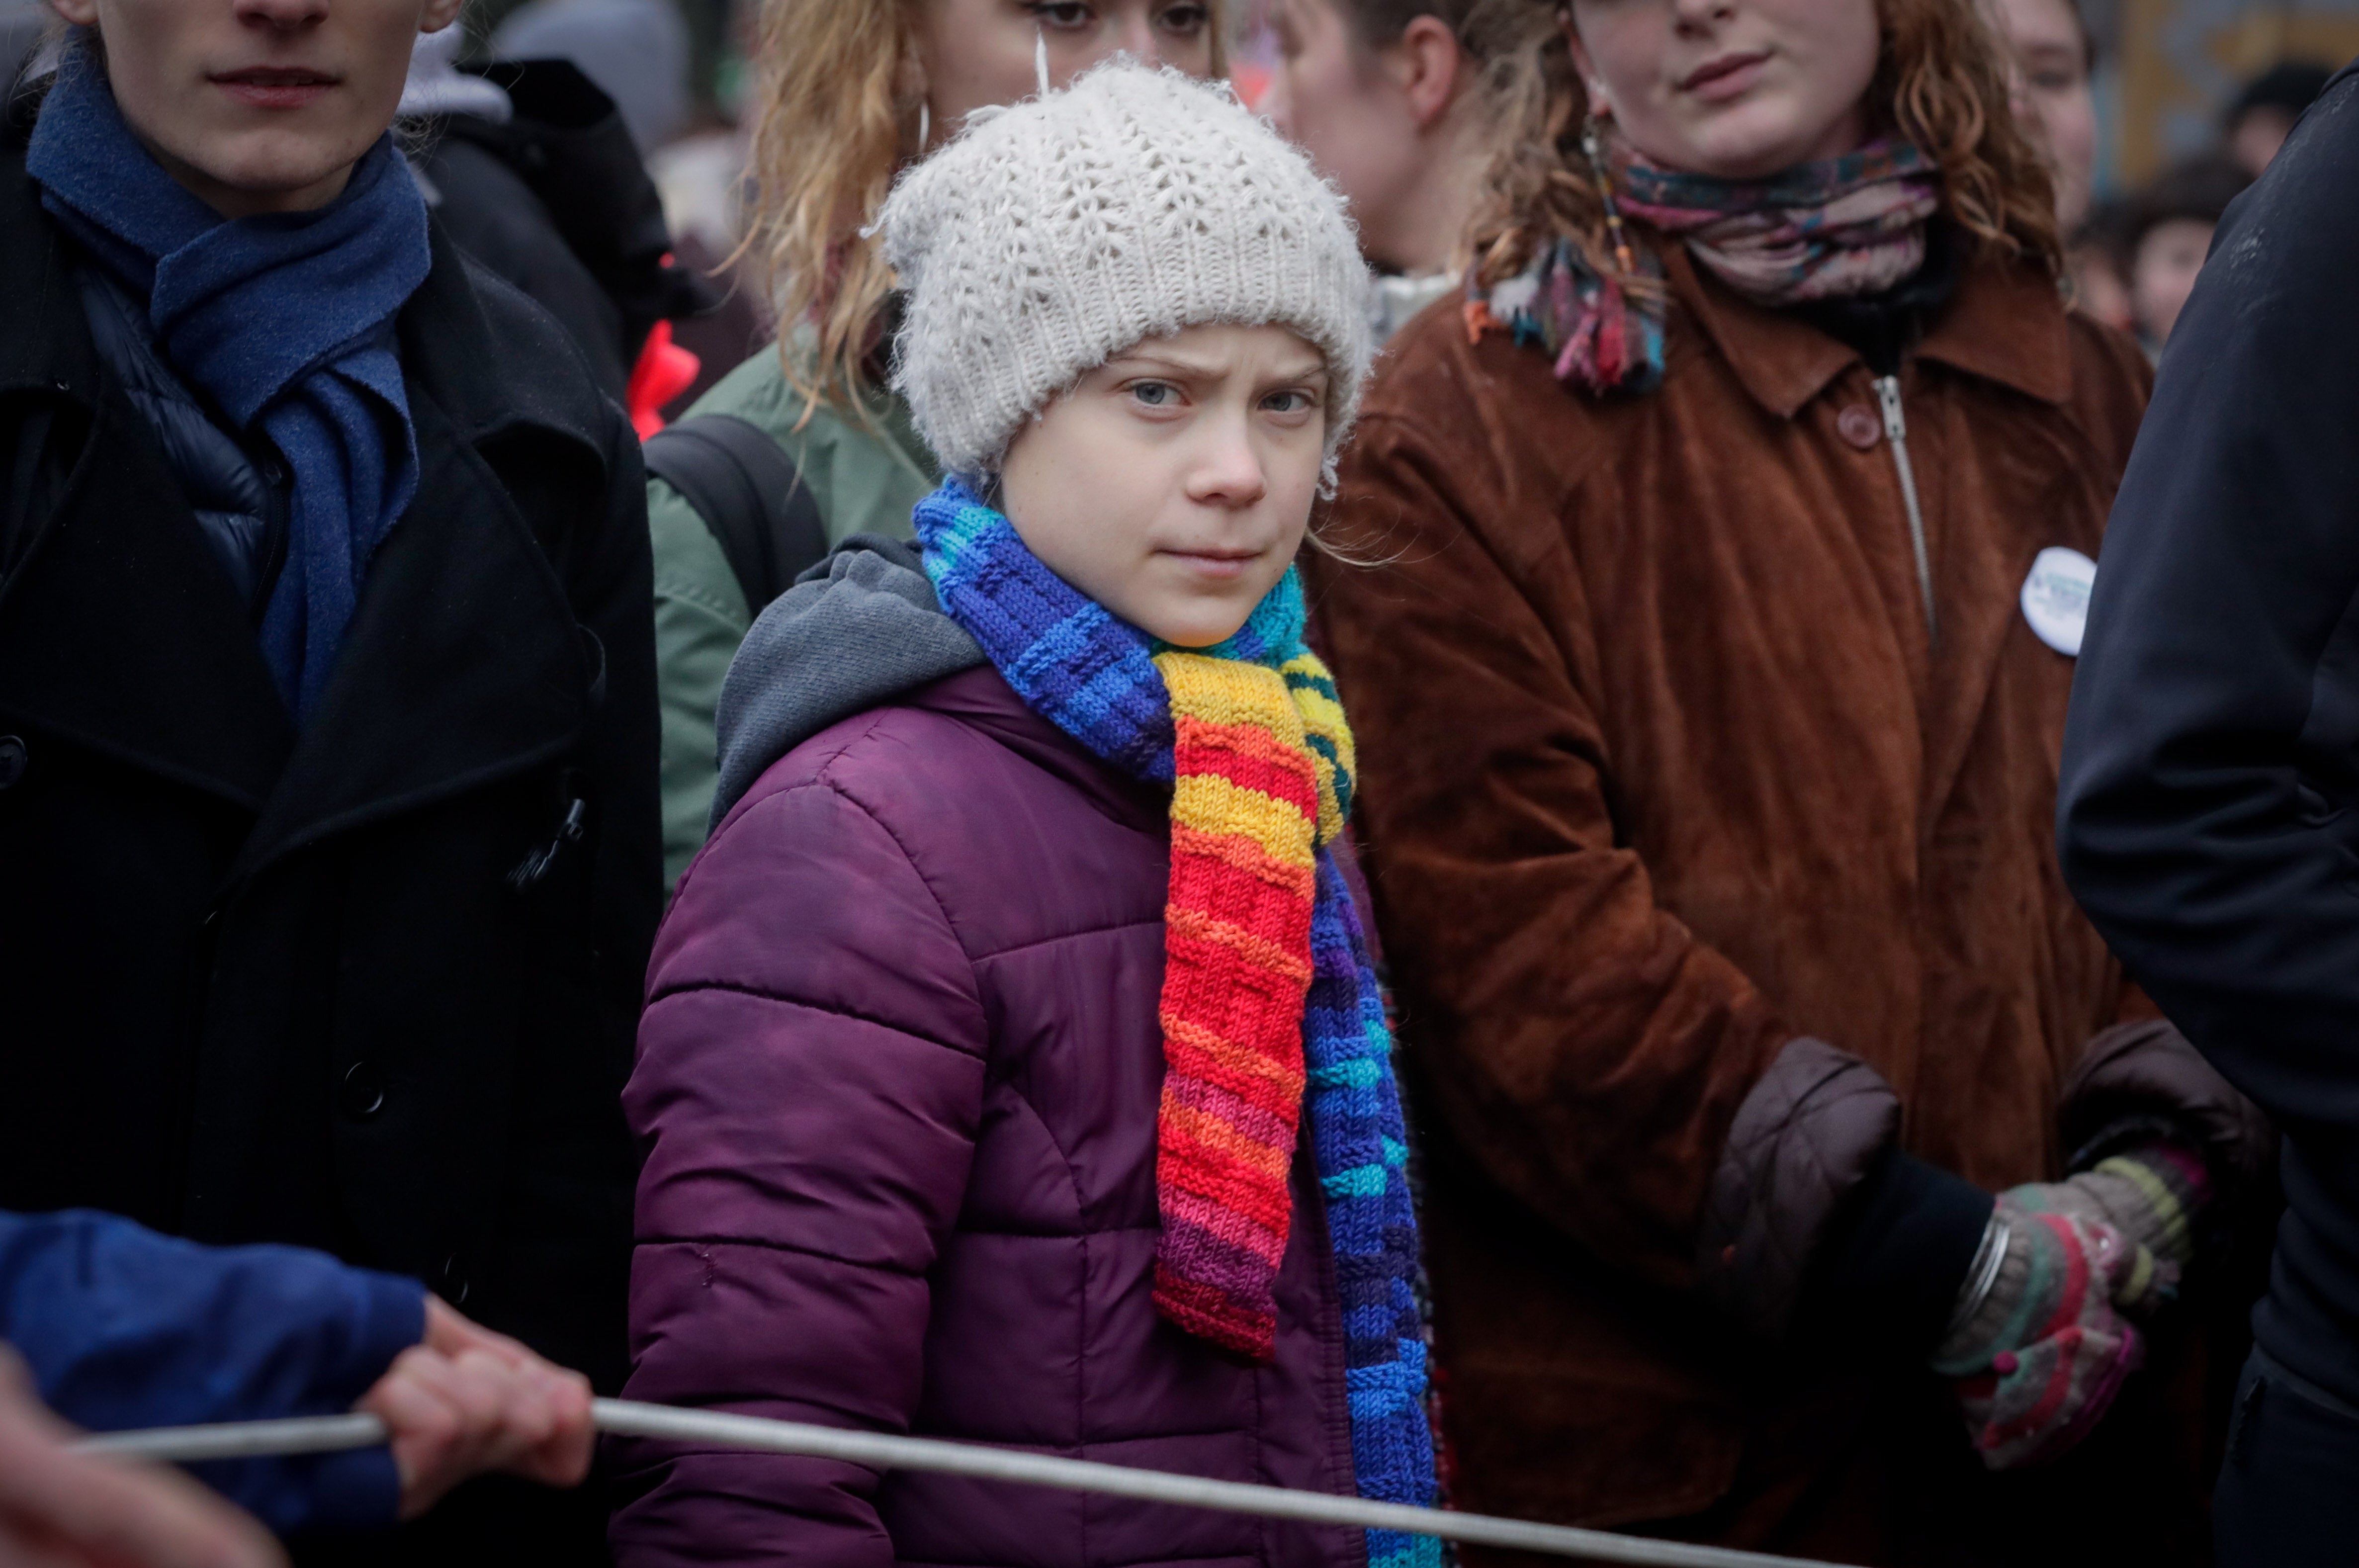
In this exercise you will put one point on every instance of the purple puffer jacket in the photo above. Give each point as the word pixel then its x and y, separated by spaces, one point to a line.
pixel 897 1085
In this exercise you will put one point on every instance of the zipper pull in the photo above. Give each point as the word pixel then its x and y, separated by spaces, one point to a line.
pixel 1887 393
pixel 1895 435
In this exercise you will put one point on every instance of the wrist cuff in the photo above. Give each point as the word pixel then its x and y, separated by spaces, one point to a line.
pixel 1900 1257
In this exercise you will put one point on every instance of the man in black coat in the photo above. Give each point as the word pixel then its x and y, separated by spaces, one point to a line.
pixel 2211 771
pixel 366 983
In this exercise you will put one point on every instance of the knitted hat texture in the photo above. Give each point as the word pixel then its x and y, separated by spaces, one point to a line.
pixel 1055 233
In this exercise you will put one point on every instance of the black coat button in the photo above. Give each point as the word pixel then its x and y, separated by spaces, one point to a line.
pixel 14 759
pixel 362 1094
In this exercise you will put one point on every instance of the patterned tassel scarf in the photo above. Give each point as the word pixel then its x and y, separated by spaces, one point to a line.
pixel 1835 229
pixel 1270 1004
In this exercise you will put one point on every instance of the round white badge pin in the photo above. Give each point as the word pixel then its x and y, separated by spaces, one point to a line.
pixel 2056 597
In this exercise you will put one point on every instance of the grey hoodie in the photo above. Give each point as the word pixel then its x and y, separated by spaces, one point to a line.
pixel 859 627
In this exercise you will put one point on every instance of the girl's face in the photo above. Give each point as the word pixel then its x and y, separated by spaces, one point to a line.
pixel 977 53
pixel 1733 89
pixel 1173 483
pixel 258 105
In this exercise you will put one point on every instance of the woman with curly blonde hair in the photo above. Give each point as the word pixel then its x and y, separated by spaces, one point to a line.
pixel 1735 536
pixel 850 93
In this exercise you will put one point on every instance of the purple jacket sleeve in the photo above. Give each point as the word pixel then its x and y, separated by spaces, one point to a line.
pixel 810 1079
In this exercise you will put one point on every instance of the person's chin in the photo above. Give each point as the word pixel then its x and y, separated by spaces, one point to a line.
pixel 1751 139
pixel 1198 627
pixel 1195 637
pixel 270 172
pixel 279 179
pixel 1740 152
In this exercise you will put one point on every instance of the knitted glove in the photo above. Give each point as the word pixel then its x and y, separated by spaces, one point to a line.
pixel 2036 1346
pixel 2152 1195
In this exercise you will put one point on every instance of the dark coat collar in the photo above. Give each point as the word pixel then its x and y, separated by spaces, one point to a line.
pixel 465 661
pixel 478 370
pixel 2005 323
pixel 47 346
pixel 463 664
pixel 448 341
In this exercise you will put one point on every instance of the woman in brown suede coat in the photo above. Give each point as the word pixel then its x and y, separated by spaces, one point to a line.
pixel 1712 686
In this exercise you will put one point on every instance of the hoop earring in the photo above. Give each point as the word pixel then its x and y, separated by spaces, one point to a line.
pixel 1040 57
pixel 1594 144
pixel 925 127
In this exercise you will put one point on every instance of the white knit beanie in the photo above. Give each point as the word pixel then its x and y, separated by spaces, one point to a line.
pixel 1056 234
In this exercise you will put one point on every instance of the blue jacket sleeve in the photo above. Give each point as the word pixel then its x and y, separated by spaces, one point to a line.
pixel 2209 799
pixel 125 1328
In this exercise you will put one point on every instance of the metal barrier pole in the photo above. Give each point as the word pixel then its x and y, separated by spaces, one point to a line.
pixel 320 1434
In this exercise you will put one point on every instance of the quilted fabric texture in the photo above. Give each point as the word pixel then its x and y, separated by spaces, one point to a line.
pixel 2140 1080
pixel 896 1085
pixel 1049 236
pixel 1803 1137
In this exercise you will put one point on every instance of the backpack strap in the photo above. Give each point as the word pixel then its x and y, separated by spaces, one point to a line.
pixel 744 486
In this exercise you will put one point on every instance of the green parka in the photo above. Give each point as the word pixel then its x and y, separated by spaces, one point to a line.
pixel 866 468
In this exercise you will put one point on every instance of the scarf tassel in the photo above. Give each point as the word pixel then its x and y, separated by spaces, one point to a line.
pixel 1839 228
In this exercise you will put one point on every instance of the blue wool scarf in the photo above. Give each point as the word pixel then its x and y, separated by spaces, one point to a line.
pixel 1096 677
pixel 284 319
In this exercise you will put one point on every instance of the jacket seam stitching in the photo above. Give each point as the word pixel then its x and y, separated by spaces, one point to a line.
pixel 826 777
pixel 1066 936
pixel 662 1239
pixel 739 988
pixel 1058 1234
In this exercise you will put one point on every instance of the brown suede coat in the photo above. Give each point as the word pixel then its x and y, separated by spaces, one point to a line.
pixel 1662 771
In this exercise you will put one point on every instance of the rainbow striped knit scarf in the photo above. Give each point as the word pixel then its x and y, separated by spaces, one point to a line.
pixel 1270 1006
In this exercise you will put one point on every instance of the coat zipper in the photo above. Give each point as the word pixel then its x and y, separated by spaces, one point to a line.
pixel 1895 430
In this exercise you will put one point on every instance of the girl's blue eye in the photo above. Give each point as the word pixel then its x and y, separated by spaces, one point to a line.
pixel 1292 402
pixel 1063 16
pixel 1154 394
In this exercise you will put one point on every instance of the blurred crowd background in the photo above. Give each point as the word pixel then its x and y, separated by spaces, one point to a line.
pixel 2159 110
pixel 2159 113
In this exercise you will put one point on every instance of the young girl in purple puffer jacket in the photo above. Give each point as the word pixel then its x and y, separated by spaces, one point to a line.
pixel 1011 1069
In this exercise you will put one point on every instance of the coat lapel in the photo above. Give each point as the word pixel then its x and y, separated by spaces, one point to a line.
pixel 2006 327
pixel 464 662
pixel 1978 433
pixel 2007 324
pixel 1782 361
pixel 119 632
pixel 118 629
pixel 46 347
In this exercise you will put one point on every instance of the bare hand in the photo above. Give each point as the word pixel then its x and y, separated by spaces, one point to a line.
pixel 64 1509
pixel 467 1401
